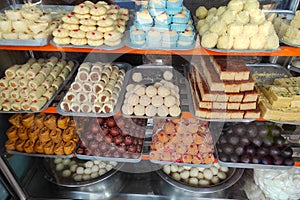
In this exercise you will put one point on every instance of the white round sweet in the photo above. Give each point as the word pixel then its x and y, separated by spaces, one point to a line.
pixel 185 174
pixel 66 173
pixel 168 75
pixel 139 110
pixel 163 91
pixel 151 111
pixel 88 164
pixel 176 176
pixel 145 100
pixel 139 90
pixel 80 170
pixel 169 101
pixel 215 180
pixel 66 161
pixel 174 168
pixel 193 181
pixel 137 77
pixel 167 169
pixel 162 111
pixel 127 109
pixel 157 101
pixel 174 111
pixel 73 168
pixel 77 177
pixel 151 91
pixel 57 160
pixel 59 167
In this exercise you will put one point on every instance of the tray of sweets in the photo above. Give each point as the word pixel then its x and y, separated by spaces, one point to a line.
pixel 254 145
pixel 112 139
pixel 155 92
pixel 78 173
pixel 22 95
pixel 42 135
pixel 185 142
pixel 215 106
pixel 97 91
pixel 18 37
pixel 265 73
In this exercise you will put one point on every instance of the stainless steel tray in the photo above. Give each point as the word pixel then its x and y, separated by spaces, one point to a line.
pixel 41 155
pixel 54 95
pixel 55 177
pixel 154 74
pixel 103 47
pixel 265 73
pixel 117 107
pixel 234 175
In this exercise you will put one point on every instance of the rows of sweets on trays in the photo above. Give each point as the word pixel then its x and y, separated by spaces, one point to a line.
pixel 79 170
pixel 42 134
pixel 160 99
pixel 162 23
pixel 182 141
pixel 28 22
pixel 288 29
pixel 280 100
pixel 223 89
pixel 30 85
pixel 96 89
pixel 92 24
pixel 240 25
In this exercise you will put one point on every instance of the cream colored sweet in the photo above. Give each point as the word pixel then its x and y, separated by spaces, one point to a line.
pixel 225 42
pixel 235 29
pixel 209 40
pixel 151 111
pixel 94 35
pixel 137 77
pixel 236 5
pixel 70 19
pixel 87 28
pixel 241 42
pixel 112 36
pixel 98 10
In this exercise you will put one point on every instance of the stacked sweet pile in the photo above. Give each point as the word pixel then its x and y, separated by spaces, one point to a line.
pixel 93 24
pixel 42 134
pixel 31 85
pixel 183 141
pixel 281 101
pixel 239 25
pixel 287 29
pixel 163 23
pixel 27 23
pixel 223 89
pixel 96 89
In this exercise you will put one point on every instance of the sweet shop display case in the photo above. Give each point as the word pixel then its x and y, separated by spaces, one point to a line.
pixel 151 99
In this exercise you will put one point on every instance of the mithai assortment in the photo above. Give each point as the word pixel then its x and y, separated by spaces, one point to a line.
pixel 112 101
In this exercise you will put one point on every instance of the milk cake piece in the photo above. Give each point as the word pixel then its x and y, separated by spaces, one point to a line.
pixel 248 105
pixel 219 105
pixel 238 114
pixel 280 93
pixel 197 96
pixel 233 106
pixel 231 68
pixel 274 102
pixel 216 84
pixel 250 96
pixel 252 114
pixel 235 97
pixel 206 94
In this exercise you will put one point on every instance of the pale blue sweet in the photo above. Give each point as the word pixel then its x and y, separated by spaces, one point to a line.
pixel 143 17
pixel 157 4
pixel 185 44
pixel 169 45
pixel 153 44
pixel 153 36
pixel 156 11
pixel 169 36
pixel 180 18
pixel 174 3
pixel 186 36
pixel 178 27
pixel 161 28
pixel 137 35
pixel 138 43
pixel 173 11
pixel 144 27
pixel 162 19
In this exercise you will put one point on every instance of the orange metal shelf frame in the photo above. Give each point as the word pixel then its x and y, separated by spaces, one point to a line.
pixel 198 50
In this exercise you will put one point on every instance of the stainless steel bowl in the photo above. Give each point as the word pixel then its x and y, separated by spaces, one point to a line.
pixel 180 189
